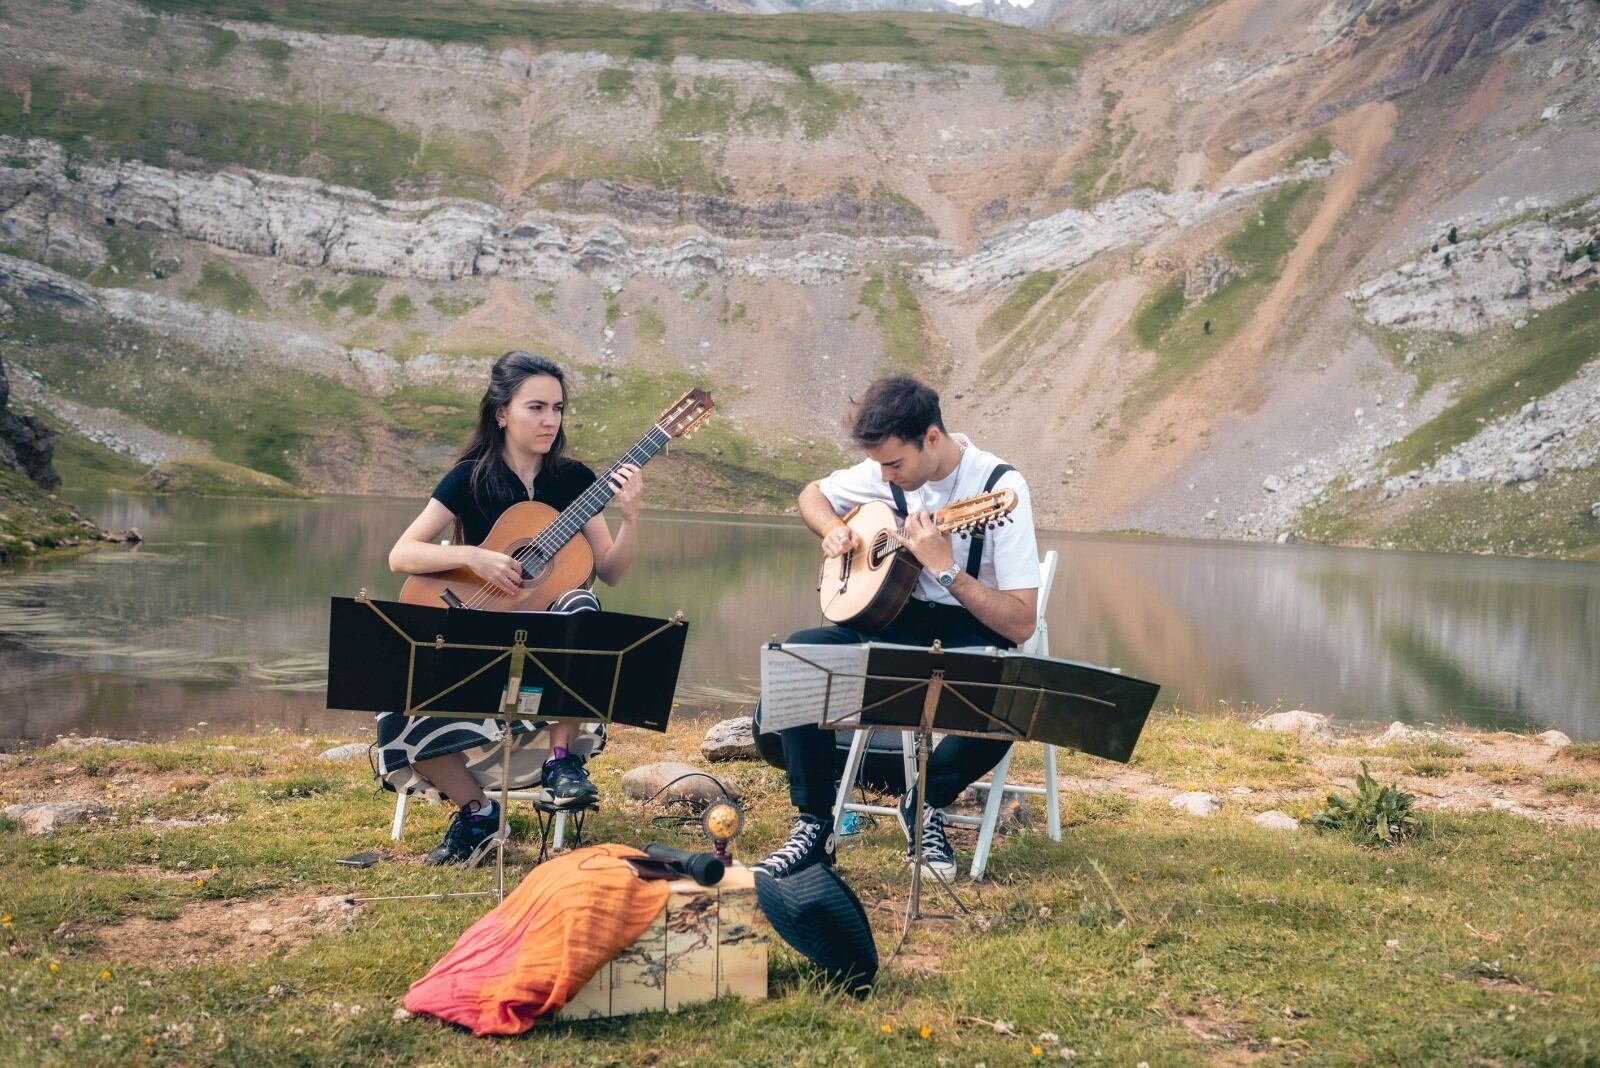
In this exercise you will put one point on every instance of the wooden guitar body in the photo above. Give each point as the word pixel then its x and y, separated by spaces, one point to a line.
pixel 544 580
pixel 868 587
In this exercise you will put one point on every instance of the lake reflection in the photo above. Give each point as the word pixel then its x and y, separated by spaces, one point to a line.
pixel 221 618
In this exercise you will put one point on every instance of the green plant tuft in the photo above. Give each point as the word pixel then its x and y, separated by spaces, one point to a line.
pixel 1376 815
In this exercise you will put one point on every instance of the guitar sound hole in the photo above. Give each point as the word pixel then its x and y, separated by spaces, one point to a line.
pixel 534 565
pixel 880 550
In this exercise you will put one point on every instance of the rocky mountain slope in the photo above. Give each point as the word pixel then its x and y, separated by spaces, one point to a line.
pixel 1237 269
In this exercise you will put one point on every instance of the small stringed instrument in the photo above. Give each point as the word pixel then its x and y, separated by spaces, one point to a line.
pixel 553 560
pixel 868 586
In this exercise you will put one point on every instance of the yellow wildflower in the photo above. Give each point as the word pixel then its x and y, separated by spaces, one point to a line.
pixel 1035 1050
pixel 105 974
pixel 55 966
pixel 5 921
pixel 887 1029
pixel 926 1032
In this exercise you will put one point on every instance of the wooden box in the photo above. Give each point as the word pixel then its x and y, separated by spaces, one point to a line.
pixel 704 944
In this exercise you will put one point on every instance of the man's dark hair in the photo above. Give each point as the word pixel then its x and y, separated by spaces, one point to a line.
pixel 898 407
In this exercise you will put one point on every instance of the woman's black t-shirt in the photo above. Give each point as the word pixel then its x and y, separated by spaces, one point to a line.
pixel 500 489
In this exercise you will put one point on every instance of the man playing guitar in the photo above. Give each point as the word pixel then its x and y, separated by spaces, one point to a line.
pixel 968 594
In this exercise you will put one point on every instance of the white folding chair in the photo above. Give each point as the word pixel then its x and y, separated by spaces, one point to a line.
pixel 996 786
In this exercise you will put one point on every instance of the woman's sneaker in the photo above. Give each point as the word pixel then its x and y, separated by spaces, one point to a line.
pixel 937 857
pixel 566 784
pixel 810 842
pixel 469 838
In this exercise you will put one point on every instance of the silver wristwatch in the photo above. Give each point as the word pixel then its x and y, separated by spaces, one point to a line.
pixel 947 577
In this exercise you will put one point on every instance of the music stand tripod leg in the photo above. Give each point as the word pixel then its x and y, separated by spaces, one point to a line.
pixel 505 799
pixel 930 702
pixel 924 742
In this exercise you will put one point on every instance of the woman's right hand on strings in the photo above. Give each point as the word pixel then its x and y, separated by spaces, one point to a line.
pixel 840 540
pixel 497 569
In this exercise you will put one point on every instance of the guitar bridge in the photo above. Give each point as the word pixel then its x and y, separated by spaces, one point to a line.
pixel 451 600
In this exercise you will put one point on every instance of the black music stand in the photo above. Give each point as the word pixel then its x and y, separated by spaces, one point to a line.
pixel 578 667
pixel 983 693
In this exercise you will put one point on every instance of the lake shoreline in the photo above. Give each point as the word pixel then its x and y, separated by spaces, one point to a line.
pixel 43 550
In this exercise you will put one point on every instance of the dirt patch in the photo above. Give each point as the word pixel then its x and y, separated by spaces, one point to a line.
pixel 221 931
pixel 1224 1039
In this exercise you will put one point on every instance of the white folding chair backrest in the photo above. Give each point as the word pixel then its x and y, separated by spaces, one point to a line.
pixel 1039 643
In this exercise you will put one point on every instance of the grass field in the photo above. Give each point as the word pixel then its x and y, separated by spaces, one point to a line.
pixel 31 520
pixel 798 42
pixel 1142 936
pixel 907 341
pixel 150 122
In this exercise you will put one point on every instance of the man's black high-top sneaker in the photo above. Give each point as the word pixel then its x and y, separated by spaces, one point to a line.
pixel 810 842
pixel 937 856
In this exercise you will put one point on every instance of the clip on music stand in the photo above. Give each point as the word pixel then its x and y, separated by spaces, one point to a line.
pixel 556 667
pixel 981 693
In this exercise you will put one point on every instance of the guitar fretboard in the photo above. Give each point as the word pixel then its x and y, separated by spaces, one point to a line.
pixel 592 500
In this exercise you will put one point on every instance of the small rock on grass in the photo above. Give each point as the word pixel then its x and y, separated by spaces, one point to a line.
pixel 347 751
pixel 1277 821
pixel 73 742
pixel 1196 803
pixel 46 817
pixel 647 781
pixel 1555 739
pixel 1310 726
pixel 732 739
pixel 1400 732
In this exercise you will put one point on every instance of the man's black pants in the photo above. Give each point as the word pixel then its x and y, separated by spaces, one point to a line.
pixel 955 763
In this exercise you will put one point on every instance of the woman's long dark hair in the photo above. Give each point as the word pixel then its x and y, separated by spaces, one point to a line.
pixel 489 439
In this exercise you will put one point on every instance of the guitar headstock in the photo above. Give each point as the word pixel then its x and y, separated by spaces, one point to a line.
pixel 986 510
pixel 686 414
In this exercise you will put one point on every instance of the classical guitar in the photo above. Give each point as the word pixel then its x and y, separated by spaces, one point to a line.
pixel 553 560
pixel 868 586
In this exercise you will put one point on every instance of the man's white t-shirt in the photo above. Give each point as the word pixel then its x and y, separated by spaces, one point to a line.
pixel 1010 552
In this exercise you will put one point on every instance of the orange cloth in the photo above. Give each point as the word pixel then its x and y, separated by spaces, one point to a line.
pixel 538 947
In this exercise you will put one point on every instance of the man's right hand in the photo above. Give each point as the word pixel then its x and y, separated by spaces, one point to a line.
pixel 497 569
pixel 839 541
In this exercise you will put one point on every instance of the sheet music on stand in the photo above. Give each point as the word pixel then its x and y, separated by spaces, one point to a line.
pixel 802 685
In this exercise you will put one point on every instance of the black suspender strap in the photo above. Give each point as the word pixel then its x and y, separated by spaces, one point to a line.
pixel 899 500
pixel 975 552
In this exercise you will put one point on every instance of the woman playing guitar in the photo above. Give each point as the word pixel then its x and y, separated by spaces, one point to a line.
pixel 515 455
